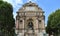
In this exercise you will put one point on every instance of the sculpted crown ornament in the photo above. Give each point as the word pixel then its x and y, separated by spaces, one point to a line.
pixel 30 4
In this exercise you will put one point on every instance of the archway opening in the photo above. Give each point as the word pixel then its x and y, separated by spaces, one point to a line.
pixel 30 25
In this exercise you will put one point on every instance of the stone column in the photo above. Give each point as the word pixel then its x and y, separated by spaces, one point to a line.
pixel 23 27
pixel 16 29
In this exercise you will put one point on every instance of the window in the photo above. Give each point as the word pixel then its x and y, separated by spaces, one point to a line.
pixel 39 21
pixel 20 20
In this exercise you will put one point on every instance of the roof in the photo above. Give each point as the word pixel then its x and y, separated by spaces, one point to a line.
pixel 30 4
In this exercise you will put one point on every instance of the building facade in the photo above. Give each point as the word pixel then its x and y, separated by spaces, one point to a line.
pixel 30 20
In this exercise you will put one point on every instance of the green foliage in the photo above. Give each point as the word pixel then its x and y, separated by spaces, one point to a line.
pixel 7 21
pixel 53 24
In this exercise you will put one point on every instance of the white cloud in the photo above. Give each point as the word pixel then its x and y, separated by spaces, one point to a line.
pixel 5 0
pixel 14 2
pixel 19 1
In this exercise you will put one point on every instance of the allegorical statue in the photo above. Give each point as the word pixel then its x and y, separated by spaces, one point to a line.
pixel 30 25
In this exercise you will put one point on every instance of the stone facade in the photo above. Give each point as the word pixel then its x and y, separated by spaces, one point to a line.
pixel 30 20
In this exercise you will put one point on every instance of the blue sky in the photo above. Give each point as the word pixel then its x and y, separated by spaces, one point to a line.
pixel 48 6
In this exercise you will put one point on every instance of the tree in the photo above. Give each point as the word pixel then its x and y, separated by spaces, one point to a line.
pixel 53 24
pixel 7 21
